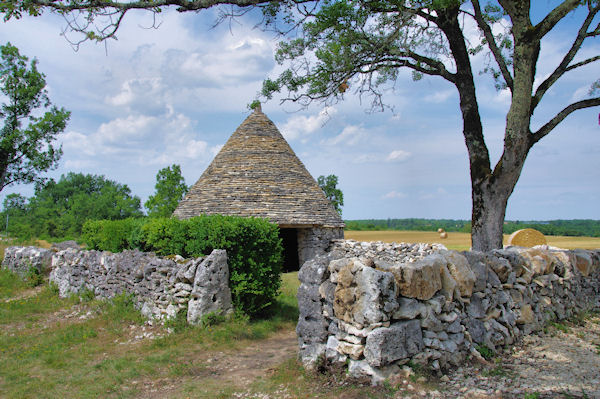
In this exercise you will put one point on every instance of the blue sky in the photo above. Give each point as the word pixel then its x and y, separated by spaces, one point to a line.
pixel 155 97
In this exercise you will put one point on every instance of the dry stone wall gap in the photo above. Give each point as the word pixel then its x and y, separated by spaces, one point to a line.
pixel 376 306
pixel 162 287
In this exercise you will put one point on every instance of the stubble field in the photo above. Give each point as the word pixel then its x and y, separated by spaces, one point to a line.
pixel 461 241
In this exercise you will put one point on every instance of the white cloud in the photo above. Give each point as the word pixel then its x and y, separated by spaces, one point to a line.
pixel 351 135
pixel 439 96
pixel 581 93
pixel 439 194
pixel 398 156
pixel 394 195
pixel 300 126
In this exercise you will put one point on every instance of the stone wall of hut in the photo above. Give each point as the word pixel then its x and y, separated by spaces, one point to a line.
pixel 316 241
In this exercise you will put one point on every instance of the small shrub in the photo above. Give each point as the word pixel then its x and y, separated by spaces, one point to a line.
pixel 560 326
pixel 86 295
pixel 121 308
pixel 254 251
pixel 179 322
pixel 212 319
pixel 112 235
pixel 53 288
pixel 485 352
pixel 33 277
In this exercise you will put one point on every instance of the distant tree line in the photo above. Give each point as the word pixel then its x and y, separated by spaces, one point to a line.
pixel 578 227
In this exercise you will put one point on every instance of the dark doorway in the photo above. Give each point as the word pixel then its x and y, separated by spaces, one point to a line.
pixel 289 239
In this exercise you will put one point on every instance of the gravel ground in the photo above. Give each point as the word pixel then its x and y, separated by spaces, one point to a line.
pixel 563 362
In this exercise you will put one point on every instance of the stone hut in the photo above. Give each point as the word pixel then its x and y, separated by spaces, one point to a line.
pixel 256 173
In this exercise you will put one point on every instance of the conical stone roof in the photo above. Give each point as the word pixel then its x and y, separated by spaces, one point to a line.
pixel 257 174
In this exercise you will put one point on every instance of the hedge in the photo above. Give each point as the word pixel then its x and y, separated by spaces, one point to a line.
pixel 253 246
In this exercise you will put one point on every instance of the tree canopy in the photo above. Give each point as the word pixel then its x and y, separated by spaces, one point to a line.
pixel 170 189
pixel 59 209
pixel 334 195
pixel 26 139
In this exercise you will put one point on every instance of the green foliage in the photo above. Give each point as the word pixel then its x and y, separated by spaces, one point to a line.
pixel 121 308
pixel 254 104
pixel 27 132
pixel 33 277
pixel 170 189
pixel 10 283
pixel 485 352
pixel 112 235
pixel 254 251
pixel 334 195
pixel 59 210
pixel 212 319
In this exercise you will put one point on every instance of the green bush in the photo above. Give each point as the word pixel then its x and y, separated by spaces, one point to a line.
pixel 253 246
pixel 112 235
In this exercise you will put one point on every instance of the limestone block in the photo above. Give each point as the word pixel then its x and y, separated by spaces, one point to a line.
pixel 408 309
pixel 526 315
pixel 355 351
pixel 210 291
pixel 477 262
pixel 583 262
pixel 364 295
pixel 361 369
pixel 420 279
pixel 449 285
pixel 399 341
pixel 459 268
pixel 310 354
pixel 313 271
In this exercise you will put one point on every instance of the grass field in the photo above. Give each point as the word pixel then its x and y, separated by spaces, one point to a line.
pixel 461 241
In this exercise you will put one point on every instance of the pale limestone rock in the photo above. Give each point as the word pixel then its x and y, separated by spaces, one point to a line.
pixel 459 268
pixel 583 262
pixel 421 279
pixel 364 295
pixel 448 283
pixel 353 350
pixel 210 293
pixel 400 341
pixel 409 309
pixel 526 315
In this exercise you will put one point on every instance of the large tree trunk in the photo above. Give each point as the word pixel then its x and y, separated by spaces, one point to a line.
pixel 491 189
pixel 487 218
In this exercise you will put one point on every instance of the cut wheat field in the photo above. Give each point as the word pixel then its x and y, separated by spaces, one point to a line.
pixel 461 241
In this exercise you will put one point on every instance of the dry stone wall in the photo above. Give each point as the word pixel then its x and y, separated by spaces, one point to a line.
pixel 376 306
pixel 163 287
pixel 21 260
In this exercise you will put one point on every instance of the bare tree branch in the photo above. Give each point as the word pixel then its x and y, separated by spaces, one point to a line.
pixel 547 128
pixel 584 62
pixel 489 37
pixel 564 64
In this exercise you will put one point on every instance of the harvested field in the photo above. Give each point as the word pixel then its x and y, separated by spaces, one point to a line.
pixel 461 241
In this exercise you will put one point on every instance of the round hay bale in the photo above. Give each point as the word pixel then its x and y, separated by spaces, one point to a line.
pixel 443 234
pixel 440 230
pixel 526 238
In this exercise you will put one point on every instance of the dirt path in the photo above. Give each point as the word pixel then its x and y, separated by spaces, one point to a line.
pixel 230 369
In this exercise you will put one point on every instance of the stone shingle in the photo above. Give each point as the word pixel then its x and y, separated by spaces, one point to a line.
pixel 257 174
